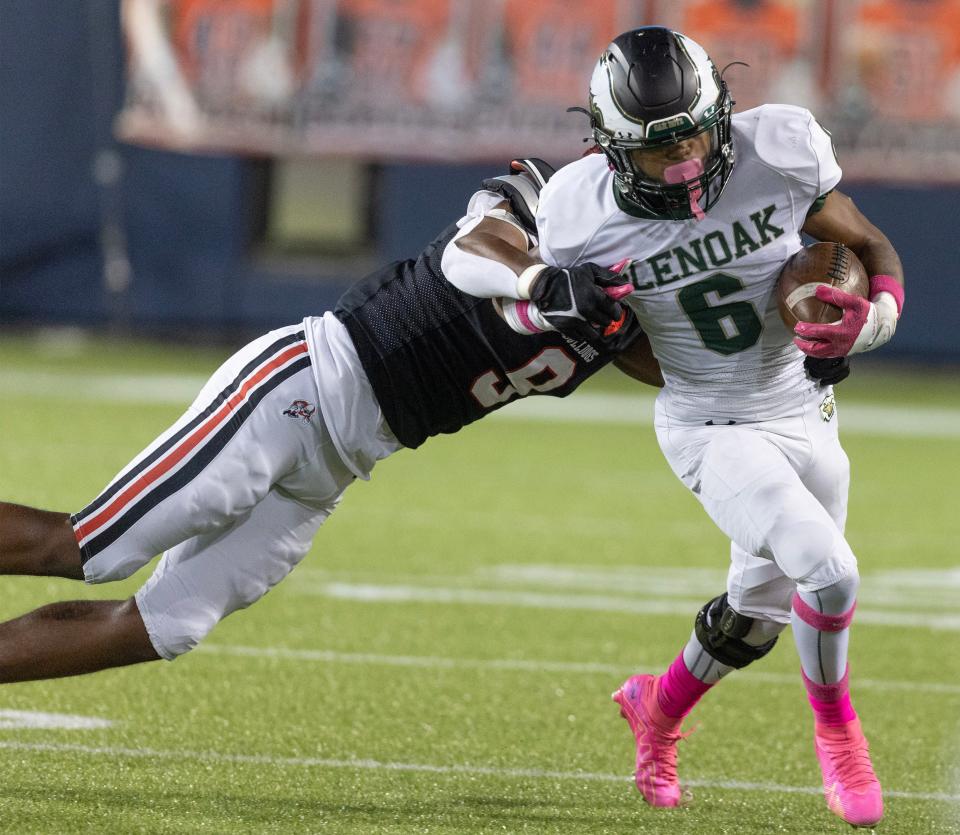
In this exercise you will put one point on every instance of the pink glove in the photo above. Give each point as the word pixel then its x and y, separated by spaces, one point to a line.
pixel 865 325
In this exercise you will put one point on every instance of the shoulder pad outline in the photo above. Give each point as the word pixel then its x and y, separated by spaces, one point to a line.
pixel 521 187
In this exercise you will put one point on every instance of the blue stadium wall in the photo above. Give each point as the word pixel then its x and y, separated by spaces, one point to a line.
pixel 186 218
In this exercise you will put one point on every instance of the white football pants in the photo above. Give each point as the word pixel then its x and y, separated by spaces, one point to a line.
pixel 778 489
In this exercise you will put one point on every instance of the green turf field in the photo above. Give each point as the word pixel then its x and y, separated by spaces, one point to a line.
pixel 443 659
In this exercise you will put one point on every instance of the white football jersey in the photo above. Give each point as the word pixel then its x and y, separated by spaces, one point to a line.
pixel 704 290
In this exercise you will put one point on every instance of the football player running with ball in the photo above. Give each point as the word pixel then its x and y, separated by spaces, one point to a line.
pixel 706 206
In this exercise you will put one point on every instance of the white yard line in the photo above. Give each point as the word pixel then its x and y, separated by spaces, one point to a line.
pixel 931 590
pixel 631 409
pixel 533 665
pixel 428 768
pixel 861 418
pixel 377 593
pixel 163 389
pixel 427 661
pixel 11 719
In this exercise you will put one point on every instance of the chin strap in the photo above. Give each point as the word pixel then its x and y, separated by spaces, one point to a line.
pixel 680 172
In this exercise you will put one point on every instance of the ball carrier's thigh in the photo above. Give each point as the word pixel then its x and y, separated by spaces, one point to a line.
pixel 756 586
pixel 778 490
pixel 214 465
pixel 752 491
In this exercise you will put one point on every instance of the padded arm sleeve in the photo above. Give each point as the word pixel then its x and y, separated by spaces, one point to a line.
pixel 474 274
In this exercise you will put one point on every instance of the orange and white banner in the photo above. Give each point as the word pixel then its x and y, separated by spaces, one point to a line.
pixel 471 80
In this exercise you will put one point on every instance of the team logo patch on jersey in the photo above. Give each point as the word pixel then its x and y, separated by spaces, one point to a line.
pixel 828 407
pixel 302 409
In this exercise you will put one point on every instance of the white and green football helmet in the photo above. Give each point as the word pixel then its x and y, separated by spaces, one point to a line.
pixel 653 88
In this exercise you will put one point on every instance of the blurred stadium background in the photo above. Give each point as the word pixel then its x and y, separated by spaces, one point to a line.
pixel 217 166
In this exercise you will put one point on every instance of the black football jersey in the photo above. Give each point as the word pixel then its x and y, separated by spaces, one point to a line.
pixel 439 358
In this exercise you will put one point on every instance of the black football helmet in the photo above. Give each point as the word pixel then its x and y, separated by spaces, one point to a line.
pixel 651 89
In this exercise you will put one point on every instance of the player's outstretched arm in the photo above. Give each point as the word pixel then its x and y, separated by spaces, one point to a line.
pixel 865 324
pixel 491 256
pixel 488 259
pixel 495 259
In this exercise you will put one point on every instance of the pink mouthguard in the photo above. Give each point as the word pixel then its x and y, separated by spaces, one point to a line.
pixel 680 172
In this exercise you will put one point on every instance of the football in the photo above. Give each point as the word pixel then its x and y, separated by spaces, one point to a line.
pixel 826 263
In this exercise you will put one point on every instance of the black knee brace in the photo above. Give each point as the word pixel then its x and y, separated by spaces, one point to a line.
pixel 720 630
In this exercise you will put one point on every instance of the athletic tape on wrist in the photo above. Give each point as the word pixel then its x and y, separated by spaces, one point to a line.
pixel 526 278
pixel 523 314
pixel 887 284
pixel 820 621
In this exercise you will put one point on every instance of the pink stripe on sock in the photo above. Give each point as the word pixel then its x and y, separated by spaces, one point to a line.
pixel 820 621
pixel 827 692
pixel 830 702
pixel 680 689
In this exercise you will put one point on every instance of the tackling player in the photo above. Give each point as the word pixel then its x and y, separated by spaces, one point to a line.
pixel 707 206
pixel 233 493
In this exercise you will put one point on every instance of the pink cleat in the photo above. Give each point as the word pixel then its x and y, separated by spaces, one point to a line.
pixel 656 734
pixel 849 783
